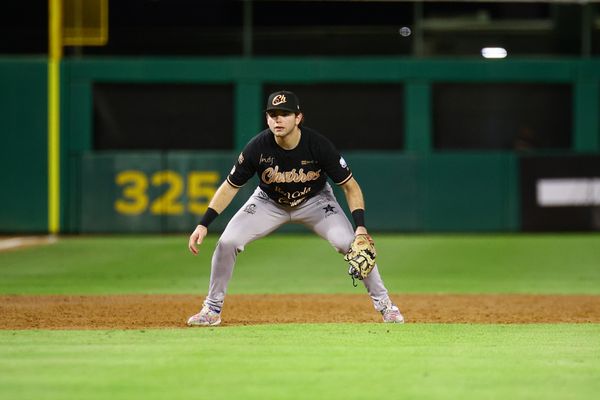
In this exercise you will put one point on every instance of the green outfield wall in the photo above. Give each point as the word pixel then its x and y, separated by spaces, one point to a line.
pixel 415 189
pixel 141 192
pixel 23 145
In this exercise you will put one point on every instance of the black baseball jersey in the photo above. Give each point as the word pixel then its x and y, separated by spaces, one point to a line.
pixel 290 176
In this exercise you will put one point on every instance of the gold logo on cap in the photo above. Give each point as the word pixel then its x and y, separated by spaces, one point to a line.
pixel 279 99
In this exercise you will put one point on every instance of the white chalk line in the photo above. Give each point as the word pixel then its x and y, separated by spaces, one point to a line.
pixel 16 242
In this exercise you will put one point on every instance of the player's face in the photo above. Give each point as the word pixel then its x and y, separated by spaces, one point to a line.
pixel 282 122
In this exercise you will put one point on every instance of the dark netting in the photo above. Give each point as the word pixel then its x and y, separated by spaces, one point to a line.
pixel 132 116
pixel 354 116
pixel 502 116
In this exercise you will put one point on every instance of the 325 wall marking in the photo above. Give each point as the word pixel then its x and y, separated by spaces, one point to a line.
pixel 134 198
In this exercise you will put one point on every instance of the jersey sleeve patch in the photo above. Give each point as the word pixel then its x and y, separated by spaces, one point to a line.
pixel 343 163
pixel 244 167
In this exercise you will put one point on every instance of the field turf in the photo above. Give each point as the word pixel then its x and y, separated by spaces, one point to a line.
pixel 324 361
pixel 550 264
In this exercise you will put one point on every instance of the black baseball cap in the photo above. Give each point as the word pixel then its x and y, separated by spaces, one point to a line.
pixel 283 100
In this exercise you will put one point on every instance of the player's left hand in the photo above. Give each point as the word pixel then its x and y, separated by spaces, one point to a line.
pixel 361 256
pixel 196 238
pixel 360 230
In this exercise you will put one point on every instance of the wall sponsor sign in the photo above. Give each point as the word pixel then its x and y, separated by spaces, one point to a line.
pixel 560 193
pixel 568 192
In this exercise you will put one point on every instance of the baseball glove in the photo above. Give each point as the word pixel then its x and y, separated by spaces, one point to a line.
pixel 361 257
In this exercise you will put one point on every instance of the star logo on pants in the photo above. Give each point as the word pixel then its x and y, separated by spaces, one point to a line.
pixel 329 209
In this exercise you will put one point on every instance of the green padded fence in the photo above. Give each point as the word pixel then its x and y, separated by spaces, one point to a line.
pixel 169 192
pixel 23 145
pixel 417 189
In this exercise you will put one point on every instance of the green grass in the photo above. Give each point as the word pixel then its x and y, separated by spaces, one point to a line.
pixel 324 361
pixel 297 263
pixel 321 361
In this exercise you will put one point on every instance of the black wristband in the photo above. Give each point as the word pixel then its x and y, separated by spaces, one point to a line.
pixel 209 216
pixel 359 217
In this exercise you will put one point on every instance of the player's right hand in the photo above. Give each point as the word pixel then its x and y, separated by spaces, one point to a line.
pixel 196 238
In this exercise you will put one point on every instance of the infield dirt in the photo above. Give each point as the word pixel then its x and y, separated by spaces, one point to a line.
pixel 172 311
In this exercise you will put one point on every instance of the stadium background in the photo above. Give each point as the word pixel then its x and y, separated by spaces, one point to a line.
pixel 442 139
pixel 481 179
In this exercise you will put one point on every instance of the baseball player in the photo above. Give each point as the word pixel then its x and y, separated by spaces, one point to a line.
pixel 292 162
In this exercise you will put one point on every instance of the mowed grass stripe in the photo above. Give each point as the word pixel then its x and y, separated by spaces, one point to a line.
pixel 330 361
pixel 297 263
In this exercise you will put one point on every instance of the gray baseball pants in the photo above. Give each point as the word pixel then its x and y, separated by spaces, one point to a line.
pixel 260 215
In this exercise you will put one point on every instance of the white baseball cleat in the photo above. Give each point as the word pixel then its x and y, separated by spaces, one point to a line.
pixel 391 313
pixel 206 317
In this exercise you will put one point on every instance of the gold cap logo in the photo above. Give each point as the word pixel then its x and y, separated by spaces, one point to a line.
pixel 279 99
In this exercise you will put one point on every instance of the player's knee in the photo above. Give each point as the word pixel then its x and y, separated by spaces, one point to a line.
pixel 341 241
pixel 228 244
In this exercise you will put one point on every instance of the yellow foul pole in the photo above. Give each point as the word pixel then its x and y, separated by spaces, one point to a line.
pixel 54 57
